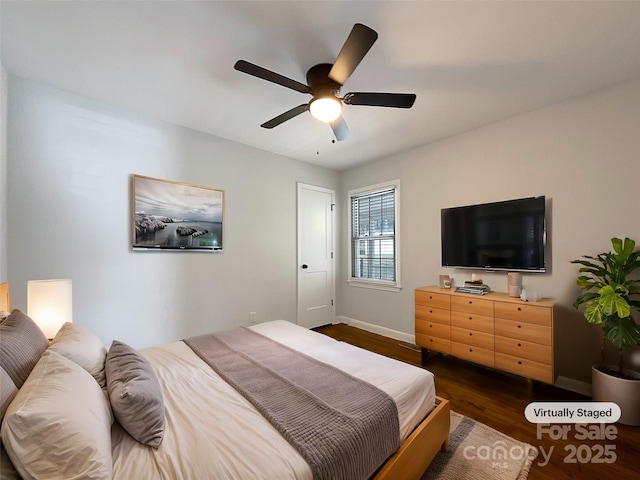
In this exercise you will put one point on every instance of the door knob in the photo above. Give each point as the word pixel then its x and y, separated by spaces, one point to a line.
pixel 304 265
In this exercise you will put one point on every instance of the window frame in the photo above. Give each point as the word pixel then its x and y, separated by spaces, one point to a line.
pixel 373 283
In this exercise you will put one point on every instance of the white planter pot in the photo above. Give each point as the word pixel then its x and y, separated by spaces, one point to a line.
pixel 625 393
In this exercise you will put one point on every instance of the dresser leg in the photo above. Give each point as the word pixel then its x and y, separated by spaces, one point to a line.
pixel 426 355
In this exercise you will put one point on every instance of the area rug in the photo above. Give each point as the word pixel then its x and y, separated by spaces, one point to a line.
pixel 477 451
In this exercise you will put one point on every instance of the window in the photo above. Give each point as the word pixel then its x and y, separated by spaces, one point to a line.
pixel 374 227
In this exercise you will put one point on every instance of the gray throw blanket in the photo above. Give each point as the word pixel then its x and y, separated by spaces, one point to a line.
pixel 343 427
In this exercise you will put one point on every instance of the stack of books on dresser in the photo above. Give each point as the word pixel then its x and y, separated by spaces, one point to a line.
pixel 476 288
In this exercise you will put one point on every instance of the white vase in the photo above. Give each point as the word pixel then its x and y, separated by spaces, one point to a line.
pixel 624 392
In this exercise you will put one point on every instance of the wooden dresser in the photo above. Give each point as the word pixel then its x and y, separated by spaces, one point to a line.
pixel 493 329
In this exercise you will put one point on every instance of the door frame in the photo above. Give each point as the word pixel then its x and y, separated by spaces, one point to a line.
pixel 332 239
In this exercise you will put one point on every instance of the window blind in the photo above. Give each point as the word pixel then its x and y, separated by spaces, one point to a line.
pixel 373 235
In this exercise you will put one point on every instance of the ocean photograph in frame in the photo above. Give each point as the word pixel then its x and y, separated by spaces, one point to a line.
pixel 177 216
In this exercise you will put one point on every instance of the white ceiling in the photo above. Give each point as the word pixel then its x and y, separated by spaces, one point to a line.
pixel 470 63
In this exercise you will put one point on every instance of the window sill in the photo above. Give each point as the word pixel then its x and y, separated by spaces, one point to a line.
pixel 374 285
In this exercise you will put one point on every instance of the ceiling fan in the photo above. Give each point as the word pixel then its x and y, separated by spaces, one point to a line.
pixel 324 82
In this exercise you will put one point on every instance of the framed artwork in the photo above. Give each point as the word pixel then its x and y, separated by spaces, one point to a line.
pixel 176 216
pixel 445 281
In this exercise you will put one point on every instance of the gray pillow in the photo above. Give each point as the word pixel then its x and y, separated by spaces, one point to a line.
pixel 21 345
pixel 135 394
pixel 8 390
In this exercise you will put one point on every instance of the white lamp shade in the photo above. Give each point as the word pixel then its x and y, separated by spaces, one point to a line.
pixel 50 304
pixel 325 109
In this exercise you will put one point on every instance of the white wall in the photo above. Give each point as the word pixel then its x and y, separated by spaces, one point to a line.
pixel 69 167
pixel 69 213
pixel 583 154
pixel 3 174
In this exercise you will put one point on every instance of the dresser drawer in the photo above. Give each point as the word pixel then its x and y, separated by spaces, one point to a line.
pixel 472 305
pixel 432 314
pixel 524 367
pixel 475 354
pixel 472 338
pixel 524 331
pixel 521 349
pixel 433 343
pixel 524 313
pixel 433 328
pixel 438 300
pixel 473 321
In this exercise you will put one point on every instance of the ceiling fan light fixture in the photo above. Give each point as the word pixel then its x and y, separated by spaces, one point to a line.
pixel 325 109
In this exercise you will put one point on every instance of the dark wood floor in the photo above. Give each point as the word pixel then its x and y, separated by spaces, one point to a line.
pixel 498 400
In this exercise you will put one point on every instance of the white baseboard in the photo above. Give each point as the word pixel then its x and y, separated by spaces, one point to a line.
pixel 384 331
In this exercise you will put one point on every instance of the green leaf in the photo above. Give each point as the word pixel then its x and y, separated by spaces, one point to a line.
pixel 617 245
pixel 593 313
pixel 622 332
pixel 586 263
pixel 584 298
pixel 612 303
pixel 627 247
pixel 587 283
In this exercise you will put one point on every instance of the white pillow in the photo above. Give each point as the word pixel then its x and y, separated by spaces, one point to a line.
pixel 58 426
pixel 84 348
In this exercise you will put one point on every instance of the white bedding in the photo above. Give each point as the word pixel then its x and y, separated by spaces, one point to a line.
pixel 212 432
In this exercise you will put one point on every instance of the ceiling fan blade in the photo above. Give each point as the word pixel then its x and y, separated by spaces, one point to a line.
pixel 397 100
pixel 269 76
pixel 358 43
pixel 294 112
pixel 340 129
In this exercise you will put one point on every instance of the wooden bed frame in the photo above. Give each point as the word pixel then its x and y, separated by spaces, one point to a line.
pixel 415 453
pixel 419 449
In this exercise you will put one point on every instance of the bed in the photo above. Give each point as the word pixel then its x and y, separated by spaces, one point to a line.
pixel 207 428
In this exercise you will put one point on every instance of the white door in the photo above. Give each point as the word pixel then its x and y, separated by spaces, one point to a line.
pixel 316 284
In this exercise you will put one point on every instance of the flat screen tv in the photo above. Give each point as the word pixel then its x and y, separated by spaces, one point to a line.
pixel 508 235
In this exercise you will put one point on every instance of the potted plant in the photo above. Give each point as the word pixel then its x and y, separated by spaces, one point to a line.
pixel 610 297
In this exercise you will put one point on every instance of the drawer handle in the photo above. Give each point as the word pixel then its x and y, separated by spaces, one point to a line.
pixel 519 344
pixel 430 311
pixel 519 326
pixel 519 309
pixel 470 302
pixel 470 318
pixel 431 339
pixel 471 349
pixel 430 326
pixel 430 297
pixel 470 334
pixel 519 362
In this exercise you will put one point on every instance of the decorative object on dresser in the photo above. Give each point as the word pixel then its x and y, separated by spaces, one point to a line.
pixel 514 284
pixel 493 330
pixel 610 297
pixel 445 281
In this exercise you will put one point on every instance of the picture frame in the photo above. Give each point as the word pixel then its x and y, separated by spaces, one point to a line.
pixel 169 215
pixel 445 281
